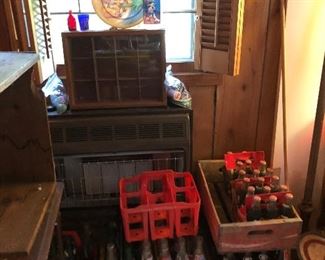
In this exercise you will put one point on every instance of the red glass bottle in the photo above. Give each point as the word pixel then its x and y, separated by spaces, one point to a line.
pixel 72 25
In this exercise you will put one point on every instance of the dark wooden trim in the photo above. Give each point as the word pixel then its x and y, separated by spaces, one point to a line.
pixel 306 206
pixel 200 78
pixel 267 114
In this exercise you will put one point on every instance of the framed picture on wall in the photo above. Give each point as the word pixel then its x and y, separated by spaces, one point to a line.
pixel 151 11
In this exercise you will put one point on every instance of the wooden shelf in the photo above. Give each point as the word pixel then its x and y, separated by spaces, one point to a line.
pixel 13 65
pixel 27 180
pixel 22 210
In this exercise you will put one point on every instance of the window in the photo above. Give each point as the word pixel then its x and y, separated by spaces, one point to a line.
pixel 178 19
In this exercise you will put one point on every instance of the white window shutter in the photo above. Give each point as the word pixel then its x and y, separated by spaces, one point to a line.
pixel 218 36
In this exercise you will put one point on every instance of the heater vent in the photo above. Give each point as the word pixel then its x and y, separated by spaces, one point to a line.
pixel 101 133
pixel 173 130
pixel 149 131
pixel 125 132
pixel 76 134
pixel 57 135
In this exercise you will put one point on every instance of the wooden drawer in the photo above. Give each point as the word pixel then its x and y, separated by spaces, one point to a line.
pixel 241 236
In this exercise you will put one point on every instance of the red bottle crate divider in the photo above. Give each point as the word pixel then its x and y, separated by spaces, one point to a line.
pixel 159 202
pixel 232 158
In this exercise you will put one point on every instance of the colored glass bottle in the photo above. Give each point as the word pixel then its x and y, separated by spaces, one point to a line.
pixel 198 252
pixel 286 207
pixel 72 24
pixel 263 168
pixel 146 251
pixel 255 212
pixel 181 254
pixel 272 210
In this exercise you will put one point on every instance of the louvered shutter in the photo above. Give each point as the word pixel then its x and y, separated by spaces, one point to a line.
pixel 28 30
pixel 218 36
pixel 39 20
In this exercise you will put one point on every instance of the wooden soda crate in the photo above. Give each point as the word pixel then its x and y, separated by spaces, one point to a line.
pixel 231 236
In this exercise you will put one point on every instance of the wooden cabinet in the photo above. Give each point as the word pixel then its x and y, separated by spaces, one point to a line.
pixel 110 69
pixel 29 195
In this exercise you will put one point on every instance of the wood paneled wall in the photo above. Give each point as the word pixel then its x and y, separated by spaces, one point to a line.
pixel 239 113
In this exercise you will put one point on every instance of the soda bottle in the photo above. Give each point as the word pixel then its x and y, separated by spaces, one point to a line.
pixel 256 173
pixel 286 207
pixel 262 168
pixel 198 252
pixel 275 183
pixel 250 191
pixel 241 174
pixel 255 212
pixel 272 208
pixel 181 254
pixel 269 172
pixel 248 167
pixel 164 253
pixel 239 166
pixel 243 191
pixel 146 251
pixel 111 252
pixel 259 185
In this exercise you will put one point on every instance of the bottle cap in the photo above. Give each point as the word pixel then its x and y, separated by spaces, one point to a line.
pixel 257 198
pixel 273 198
pixel 257 171
pixel 266 189
pixel 284 187
pixel 248 161
pixel 289 196
pixel 239 163
pixel 275 178
pixel 242 172
pixel 260 179
pixel 262 162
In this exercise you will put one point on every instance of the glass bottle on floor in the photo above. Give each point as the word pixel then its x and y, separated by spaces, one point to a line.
pixel 198 252
pixel 146 251
pixel 111 252
pixel 164 253
pixel 181 252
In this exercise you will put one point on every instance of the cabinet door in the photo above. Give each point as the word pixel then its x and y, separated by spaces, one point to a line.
pixel 218 36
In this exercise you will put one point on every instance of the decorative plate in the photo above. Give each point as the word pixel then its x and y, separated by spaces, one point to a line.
pixel 312 246
pixel 119 13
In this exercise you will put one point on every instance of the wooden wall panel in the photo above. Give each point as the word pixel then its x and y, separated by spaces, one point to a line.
pixel 241 99
pixel 265 135
pixel 203 105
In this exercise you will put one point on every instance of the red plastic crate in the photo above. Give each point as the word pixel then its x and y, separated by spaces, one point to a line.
pixel 167 200
pixel 255 156
pixel 160 203
pixel 133 204
pixel 187 205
